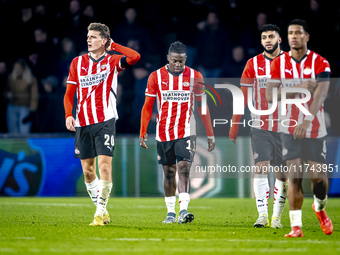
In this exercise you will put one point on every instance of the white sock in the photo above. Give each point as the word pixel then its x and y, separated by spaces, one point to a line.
pixel 92 190
pixel 104 188
pixel 184 199
pixel 261 190
pixel 280 195
pixel 170 203
pixel 320 204
pixel 295 218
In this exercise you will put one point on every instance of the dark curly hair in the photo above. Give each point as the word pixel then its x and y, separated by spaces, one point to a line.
pixel 270 27
pixel 177 47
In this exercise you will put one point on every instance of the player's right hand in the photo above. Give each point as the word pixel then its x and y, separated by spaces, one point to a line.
pixel 142 141
pixel 70 123
pixel 233 140
pixel 309 85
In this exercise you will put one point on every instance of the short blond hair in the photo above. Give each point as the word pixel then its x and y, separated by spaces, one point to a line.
pixel 103 30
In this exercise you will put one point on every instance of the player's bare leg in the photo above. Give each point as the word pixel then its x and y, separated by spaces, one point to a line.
pixel 280 197
pixel 320 187
pixel 295 194
pixel 104 188
pixel 261 191
pixel 170 192
pixel 91 180
pixel 184 191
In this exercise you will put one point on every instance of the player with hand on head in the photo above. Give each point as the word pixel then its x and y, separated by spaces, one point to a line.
pixel 265 133
pixel 175 86
pixel 303 135
pixel 94 77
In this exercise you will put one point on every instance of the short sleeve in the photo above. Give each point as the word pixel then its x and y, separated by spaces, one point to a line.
pixel 116 62
pixel 248 75
pixel 275 74
pixel 321 65
pixel 73 76
pixel 151 88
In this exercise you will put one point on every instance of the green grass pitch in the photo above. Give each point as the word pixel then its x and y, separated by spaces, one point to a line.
pixel 221 225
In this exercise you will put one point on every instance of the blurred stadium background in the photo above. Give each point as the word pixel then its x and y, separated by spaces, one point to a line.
pixel 44 36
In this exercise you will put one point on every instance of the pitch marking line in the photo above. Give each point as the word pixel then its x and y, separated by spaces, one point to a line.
pixel 208 240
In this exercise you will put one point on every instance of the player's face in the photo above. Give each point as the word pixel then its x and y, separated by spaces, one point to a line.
pixel 95 41
pixel 177 62
pixel 270 40
pixel 297 37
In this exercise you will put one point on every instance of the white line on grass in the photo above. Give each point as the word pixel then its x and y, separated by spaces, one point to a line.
pixel 19 237
pixel 209 240
pixel 91 205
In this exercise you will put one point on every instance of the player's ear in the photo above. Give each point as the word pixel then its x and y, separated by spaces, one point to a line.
pixel 280 40
pixel 168 57
pixel 308 36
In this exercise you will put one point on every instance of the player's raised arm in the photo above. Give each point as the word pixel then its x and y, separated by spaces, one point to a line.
pixel 132 56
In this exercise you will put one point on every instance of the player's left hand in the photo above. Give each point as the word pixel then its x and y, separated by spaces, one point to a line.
pixel 211 143
pixel 300 130
pixel 142 141
pixel 109 48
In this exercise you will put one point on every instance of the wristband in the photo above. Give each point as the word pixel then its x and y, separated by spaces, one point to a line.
pixel 309 117
pixel 212 138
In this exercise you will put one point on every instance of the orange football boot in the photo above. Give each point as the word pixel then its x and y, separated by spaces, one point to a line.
pixel 325 222
pixel 296 232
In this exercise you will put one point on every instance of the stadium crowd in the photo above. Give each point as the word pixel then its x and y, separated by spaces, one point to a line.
pixel 40 39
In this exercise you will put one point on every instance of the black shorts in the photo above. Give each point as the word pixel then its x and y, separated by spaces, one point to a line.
pixel 96 139
pixel 179 149
pixel 314 149
pixel 266 146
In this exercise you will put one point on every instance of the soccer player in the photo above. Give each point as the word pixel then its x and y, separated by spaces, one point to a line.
pixel 94 77
pixel 175 86
pixel 264 134
pixel 303 136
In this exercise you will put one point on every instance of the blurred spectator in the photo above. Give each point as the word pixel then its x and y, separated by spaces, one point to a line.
pixel 141 75
pixel 22 95
pixel 212 45
pixel 43 57
pixel 250 38
pixel 233 67
pixel 51 113
pixel 66 55
pixel 134 35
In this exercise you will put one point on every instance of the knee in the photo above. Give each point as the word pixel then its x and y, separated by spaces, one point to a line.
pixel 89 172
pixel 319 184
pixel 184 171
pixel 169 173
pixel 105 168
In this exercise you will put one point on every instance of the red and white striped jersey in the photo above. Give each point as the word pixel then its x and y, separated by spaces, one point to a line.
pixel 289 72
pixel 175 104
pixel 255 75
pixel 96 82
